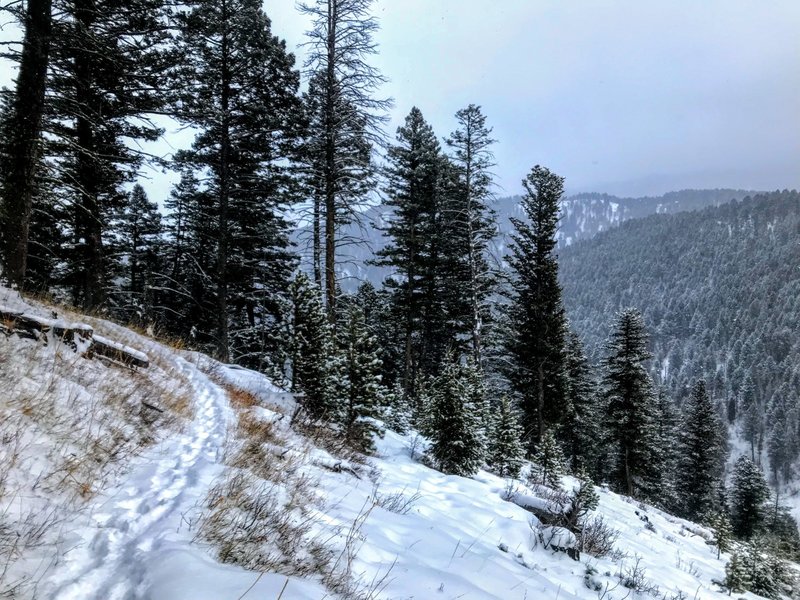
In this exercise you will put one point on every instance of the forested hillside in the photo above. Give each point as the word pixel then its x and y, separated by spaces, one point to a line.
pixel 582 216
pixel 719 290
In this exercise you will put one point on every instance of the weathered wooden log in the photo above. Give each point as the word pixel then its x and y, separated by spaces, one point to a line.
pixel 79 336
pixel 119 352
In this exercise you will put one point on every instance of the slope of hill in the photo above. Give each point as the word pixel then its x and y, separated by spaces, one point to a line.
pixel 720 293
pixel 583 216
pixel 233 497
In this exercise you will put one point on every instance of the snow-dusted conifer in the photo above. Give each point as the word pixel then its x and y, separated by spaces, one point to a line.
pixel 454 423
pixel 537 325
pixel 701 456
pixel 631 413
pixel 397 411
pixel 735 574
pixel 581 429
pixel 548 462
pixel 723 533
pixel 749 492
pixel 311 350
pixel 505 452
pixel 364 391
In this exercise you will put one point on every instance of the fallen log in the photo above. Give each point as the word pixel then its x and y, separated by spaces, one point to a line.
pixel 119 352
pixel 79 336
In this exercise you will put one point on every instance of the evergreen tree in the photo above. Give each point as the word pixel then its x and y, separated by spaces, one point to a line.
pixel 548 462
pixel 135 242
pixel 348 115
pixel 701 457
pixel 630 414
pixel 749 492
pixel 752 417
pixel 398 412
pixel 454 423
pixel 365 392
pixel 105 80
pixel 472 220
pixel 736 577
pixel 537 372
pixel 762 571
pixel 187 287
pixel 723 533
pixel 239 91
pixel 665 453
pixel 20 151
pixel 581 430
pixel 583 500
pixel 417 233
pixel 505 452
pixel 311 351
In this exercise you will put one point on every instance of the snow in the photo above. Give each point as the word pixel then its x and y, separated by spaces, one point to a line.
pixel 414 532
pixel 140 356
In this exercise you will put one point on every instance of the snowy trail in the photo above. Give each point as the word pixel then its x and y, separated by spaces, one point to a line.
pixel 130 522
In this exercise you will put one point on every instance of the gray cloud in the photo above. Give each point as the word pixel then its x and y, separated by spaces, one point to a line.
pixel 624 96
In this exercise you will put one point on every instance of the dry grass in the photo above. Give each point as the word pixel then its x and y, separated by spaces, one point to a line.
pixel 75 424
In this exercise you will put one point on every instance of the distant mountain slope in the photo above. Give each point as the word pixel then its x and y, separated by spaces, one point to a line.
pixel 583 216
pixel 719 290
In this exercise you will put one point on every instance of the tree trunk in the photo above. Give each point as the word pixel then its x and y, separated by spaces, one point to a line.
pixel 224 185
pixel 23 143
pixel 330 167
pixel 317 242
pixel 89 219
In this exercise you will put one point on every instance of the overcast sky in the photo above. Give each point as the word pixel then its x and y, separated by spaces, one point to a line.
pixel 627 97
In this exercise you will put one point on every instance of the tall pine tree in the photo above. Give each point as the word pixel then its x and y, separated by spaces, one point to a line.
pixel 536 345
pixel 415 250
pixel 472 220
pixel 346 113
pixel 701 457
pixel 581 429
pixel 630 405
pixel 239 90
pixel 20 151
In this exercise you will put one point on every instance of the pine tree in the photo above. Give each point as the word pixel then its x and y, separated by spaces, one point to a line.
pixel 417 233
pixel 665 453
pixel 398 412
pixel 701 457
pixel 583 500
pixel 548 462
pixel 239 91
pixel 311 351
pixel 723 533
pixel 134 245
pixel 472 220
pixel 762 571
pixel 348 114
pixel 454 423
pixel 105 81
pixel 749 492
pixel 736 579
pixel 187 286
pixel 752 417
pixel 630 413
pixel 505 452
pixel 581 430
pixel 537 323
pixel 20 150
pixel 365 391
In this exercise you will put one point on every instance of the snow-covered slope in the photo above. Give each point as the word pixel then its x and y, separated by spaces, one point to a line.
pixel 230 474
